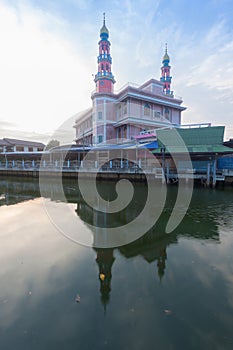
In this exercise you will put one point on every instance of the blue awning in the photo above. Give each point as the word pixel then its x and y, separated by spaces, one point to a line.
pixel 150 145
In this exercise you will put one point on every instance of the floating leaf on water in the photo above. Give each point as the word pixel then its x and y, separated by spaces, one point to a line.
pixel 167 312
pixel 77 299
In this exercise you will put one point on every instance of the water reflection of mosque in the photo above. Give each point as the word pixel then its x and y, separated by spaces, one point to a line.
pixel 152 246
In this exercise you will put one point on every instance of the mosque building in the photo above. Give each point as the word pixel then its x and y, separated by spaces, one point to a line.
pixel 131 112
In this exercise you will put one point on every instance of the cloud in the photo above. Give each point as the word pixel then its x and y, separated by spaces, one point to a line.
pixel 6 124
pixel 24 135
pixel 211 60
pixel 81 4
pixel 44 79
pixel 202 74
pixel 48 55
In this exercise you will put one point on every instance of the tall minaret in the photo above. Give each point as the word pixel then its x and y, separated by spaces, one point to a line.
pixel 104 78
pixel 165 74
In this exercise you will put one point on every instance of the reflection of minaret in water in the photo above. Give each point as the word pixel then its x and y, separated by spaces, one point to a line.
pixel 152 247
pixel 105 260
pixel 161 262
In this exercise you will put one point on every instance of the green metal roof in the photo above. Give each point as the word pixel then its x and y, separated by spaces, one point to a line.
pixel 192 136
pixel 195 140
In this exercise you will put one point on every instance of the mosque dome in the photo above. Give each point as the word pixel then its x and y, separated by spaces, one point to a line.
pixel 166 57
pixel 104 33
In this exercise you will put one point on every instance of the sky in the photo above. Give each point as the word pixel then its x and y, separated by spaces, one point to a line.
pixel 48 55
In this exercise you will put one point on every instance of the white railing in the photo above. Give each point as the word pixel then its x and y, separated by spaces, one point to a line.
pixel 200 125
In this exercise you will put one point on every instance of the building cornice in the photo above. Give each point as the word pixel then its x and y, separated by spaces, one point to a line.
pixel 133 120
pixel 142 95
pixel 148 98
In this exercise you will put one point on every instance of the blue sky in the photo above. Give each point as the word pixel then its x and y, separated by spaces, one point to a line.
pixel 49 49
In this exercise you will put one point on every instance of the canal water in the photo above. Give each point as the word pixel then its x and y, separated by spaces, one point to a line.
pixel 162 291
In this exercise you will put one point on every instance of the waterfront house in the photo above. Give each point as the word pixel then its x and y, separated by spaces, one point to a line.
pixel 16 153
pixel 14 145
pixel 204 147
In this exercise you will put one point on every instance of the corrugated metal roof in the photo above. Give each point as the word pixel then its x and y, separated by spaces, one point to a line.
pixel 191 137
pixel 105 147
pixel 193 140
pixel 15 142
pixel 4 143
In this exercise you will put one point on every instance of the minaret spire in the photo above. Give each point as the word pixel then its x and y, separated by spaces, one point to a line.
pixel 105 260
pixel 165 48
pixel 104 78
pixel 165 74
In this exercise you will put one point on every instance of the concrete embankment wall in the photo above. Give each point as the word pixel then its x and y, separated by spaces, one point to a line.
pixel 75 174
pixel 229 180
pixel 112 176
pixel 19 173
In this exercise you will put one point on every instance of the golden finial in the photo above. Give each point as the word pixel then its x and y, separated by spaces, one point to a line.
pixel 166 57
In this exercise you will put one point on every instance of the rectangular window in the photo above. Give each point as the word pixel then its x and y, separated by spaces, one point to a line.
pixel 167 113
pixel 157 115
pixel 30 149
pixel 9 149
pixel 100 138
pixel 100 115
pixel 125 108
pixel 147 109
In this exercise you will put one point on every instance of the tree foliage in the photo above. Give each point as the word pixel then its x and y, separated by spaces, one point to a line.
pixel 51 144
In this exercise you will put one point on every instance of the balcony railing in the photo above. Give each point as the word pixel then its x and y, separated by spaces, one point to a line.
pixel 104 73
pixel 153 117
pixel 84 133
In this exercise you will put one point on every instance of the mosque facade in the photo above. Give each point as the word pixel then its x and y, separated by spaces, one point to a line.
pixel 131 112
